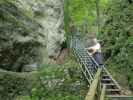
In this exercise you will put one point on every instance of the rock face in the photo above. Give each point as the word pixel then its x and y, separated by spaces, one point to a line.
pixel 26 28
pixel 54 26
pixel 18 38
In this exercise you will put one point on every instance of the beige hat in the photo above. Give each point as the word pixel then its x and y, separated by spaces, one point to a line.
pixel 93 42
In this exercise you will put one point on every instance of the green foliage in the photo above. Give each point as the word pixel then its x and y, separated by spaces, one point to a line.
pixel 13 84
pixel 118 40
pixel 80 12
pixel 56 82
pixel 59 82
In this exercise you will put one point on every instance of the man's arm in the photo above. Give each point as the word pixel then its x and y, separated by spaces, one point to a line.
pixel 94 48
pixel 91 50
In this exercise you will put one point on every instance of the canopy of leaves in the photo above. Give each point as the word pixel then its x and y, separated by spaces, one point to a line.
pixel 80 12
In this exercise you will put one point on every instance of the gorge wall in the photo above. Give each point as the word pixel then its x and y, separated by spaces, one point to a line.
pixel 27 27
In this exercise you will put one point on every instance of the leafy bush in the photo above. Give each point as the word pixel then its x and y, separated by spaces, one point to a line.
pixel 118 39
pixel 59 82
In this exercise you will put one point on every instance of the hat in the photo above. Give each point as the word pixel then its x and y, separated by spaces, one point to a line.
pixel 92 42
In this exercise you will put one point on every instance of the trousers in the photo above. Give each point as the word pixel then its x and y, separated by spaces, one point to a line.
pixel 98 57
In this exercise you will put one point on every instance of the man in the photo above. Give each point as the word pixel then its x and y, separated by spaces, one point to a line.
pixel 95 51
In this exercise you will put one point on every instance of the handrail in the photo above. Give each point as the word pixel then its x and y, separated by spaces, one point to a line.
pixel 94 82
pixel 111 77
pixel 92 72
pixel 93 87
pixel 103 92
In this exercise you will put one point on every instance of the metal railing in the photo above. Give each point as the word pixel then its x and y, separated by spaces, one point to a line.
pixel 94 88
pixel 93 73
pixel 90 70
pixel 85 61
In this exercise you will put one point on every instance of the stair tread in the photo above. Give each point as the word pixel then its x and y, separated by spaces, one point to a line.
pixel 119 96
pixel 109 84
pixel 85 59
pixel 118 90
pixel 105 76
pixel 106 79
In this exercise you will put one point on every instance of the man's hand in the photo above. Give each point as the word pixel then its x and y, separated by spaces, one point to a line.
pixel 92 51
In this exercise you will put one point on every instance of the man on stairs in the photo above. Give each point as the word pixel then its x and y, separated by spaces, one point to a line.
pixel 95 51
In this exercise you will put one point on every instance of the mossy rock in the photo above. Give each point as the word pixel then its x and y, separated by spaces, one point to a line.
pixel 19 44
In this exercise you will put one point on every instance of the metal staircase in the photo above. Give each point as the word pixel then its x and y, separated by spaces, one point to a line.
pixel 112 87
pixel 89 68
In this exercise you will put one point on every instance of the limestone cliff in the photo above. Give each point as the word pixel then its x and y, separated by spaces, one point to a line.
pixel 27 27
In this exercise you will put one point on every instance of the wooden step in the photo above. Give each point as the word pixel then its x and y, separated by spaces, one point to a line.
pixel 104 81
pixel 120 97
pixel 105 76
pixel 113 91
pixel 111 86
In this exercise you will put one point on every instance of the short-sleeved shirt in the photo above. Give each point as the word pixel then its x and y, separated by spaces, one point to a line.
pixel 96 47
